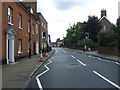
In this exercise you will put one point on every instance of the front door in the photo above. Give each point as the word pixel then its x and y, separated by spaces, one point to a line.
pixel 10 48
pixel 37 47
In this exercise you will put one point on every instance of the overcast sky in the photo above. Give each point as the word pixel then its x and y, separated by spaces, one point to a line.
pixel 61 13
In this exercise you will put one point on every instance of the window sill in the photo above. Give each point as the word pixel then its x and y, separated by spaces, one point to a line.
pixel 20 28
pixel 10 23
pixel 19 52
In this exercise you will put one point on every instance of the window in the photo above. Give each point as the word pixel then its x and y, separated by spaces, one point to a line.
pixel 28 45
pixel 20 21
pixel 86 35
pixel 28 26
pixel 42 23
pixel 10 15
pixel 19 46
pixel 33 29
pixel 37 28
pixel 44 35
pixel 104 27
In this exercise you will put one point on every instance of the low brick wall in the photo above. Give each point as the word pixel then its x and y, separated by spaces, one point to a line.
pixel 108 50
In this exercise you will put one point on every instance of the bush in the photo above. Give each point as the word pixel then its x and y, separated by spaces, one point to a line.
pixel 108 39
pixel 87 42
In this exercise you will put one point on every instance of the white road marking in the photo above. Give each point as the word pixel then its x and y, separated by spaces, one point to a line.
pixel 52 58
pixel 99 58
pixel 89 56
pixel 37 77
pixel 55 51
pixel 81 62
pixel 72 56
pixel 64 51
pixel 117 63
pixel 107 80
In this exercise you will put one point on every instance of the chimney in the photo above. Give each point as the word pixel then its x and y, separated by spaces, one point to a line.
pixel 103 13
pixel 32 4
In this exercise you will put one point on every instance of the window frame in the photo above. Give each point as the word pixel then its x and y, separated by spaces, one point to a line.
pixel 28 26
pixel 20 21
pixel 19 46
pixel 33 29
pixel 104 28
pixel 10 15
pixel 37 28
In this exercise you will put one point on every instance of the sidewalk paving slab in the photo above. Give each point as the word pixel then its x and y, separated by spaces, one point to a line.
pixel 15 75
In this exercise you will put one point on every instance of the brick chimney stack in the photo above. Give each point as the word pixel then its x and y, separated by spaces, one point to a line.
pixel 103 13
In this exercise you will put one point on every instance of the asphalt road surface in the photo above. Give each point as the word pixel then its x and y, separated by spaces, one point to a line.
pixel 71 69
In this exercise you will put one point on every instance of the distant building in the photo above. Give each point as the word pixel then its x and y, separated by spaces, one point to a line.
pixel 105 23
pixel 59 42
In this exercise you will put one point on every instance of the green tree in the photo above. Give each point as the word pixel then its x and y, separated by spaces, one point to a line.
pixel 73 35
pixel 93 27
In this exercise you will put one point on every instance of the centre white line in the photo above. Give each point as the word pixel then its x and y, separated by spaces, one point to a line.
pixel 117 63
pixel 37 77
pixel 64 51
pixel 72 56
pixel 107 80
pixel 81 62
pixel 55 51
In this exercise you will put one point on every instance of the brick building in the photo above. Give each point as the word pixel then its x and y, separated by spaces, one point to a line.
pixel 21 30
pixel 105 23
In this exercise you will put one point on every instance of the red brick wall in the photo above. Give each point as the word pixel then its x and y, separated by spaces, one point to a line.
pixel 22 34
pixel 106 23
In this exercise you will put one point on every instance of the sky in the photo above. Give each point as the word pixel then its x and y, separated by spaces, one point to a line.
pixel 61 14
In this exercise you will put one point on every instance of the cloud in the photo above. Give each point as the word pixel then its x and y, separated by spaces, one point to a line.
pixel 60 13
pixel 69 4
pixel 66 5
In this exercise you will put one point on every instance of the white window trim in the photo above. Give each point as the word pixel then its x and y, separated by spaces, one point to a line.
pixel 20 21
pixel 20 28
pixel 10 23
pixel 37 28
pixel 33 31
pixel 104 28
pixel 28 26
pixel 10 12
pixel 19 50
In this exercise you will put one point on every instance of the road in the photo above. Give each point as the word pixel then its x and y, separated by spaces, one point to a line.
pixel 71 69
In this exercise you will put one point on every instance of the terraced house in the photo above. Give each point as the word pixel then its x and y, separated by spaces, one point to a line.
pixel 22 30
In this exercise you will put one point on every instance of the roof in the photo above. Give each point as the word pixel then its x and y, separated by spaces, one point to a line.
pixel 105 18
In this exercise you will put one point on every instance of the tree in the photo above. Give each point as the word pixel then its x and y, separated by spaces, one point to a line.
pixel 93 27
pixel 73 35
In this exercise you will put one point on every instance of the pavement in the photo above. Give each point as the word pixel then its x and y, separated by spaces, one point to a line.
pixel 105 56
pixel 18 74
